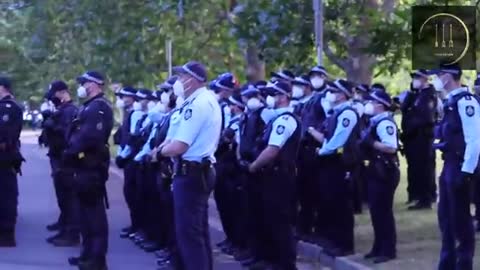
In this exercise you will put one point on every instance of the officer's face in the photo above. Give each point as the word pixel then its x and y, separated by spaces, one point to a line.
pixel 3 91
pixel 128 101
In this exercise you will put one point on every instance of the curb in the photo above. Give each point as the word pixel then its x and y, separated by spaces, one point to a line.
pixel 316 253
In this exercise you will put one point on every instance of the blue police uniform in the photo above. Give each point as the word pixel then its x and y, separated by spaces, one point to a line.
pixel 278 190
pixel 88 154
pixel 199 127
pixel 251 126
pixel 55 128
pixel 383 176
pixel 418 120
pixel 10 161
pixel 477 174
pixel 312 114
pixel 460 146
pixel 337 160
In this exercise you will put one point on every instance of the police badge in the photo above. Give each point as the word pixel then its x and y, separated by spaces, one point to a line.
pixel 280 129
pixel 345 122
pixel 390 130
pixel 470 111
pixel 188 114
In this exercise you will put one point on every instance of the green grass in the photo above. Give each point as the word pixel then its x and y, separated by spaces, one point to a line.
pixel 418 236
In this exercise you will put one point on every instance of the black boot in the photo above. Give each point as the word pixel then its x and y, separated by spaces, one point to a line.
pixel 7 238
pixel 54 227
pixel 92 265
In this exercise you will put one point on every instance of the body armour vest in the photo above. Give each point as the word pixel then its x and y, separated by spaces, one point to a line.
pixel 251 130
pixel 288 153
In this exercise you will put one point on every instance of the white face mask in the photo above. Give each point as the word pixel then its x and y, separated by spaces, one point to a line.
pixel 151 105
pixel 178 89
pixel 330 97
pixel 120 103
pixel 82 92
pixel 137 106
pixel 438 84
pixel 416 83
pixel 218 97
pixel 297 91
pixel 165 98
pixel 270 102
pixel 179 101
pixel 369 109
pixel 317 82
pixel 254 103
pixel 360 108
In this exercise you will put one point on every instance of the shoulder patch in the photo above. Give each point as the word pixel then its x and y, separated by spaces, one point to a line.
pixel 8 105
pixel 390 130
pixel 5 118
pixel 280 129
pixel 188 114
pixel 470 110
pixel 99 126
pixel 431 104
pixel 345 122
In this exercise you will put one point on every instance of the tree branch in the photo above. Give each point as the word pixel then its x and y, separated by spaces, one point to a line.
pixel 339 61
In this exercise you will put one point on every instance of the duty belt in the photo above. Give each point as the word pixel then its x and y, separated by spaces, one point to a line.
pixel 194 168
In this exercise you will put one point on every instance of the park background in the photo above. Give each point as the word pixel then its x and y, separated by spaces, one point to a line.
pixel 364 41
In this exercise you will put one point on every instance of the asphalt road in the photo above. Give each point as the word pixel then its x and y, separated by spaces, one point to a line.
pixel 37 208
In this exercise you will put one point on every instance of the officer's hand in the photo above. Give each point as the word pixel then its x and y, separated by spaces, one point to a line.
pixel 317 135
pixel 120 162
pixel 244 165
pixel 467 177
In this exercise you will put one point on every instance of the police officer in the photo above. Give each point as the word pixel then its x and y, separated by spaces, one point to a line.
pixel 301 90
pixel 338 157
pixel 55 128
pixel 476 197
pixel 230 195
pixel 276 165
pixel 380 142
pixel 251 126
pixel 193 145
pixel 132 191
pixel 460 146
pixel 88 153
pixel 164 171
pixel 418 120
pixel 11 121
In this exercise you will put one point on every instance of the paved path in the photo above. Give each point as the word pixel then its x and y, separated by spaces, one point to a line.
pixel 38 208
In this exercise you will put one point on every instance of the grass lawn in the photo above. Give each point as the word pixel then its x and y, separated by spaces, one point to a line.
pixel 418 234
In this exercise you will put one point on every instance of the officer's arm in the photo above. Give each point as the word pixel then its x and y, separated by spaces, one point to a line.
pixel 282 130
pixel 407 101
pixel 387 133
pixel 426 112
pixel 345 124
pixel 469 112
pixel 136 116
pixel 92 129
pixel 191 122
pixel 146 147
pixel 9 119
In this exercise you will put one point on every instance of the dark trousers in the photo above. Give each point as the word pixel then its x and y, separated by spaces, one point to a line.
pixel 190 197
pixel 153 204
pixel 255 228
pixel 8 201
pixel 421 168
pixel 141 199
pixel 230 198
pixel 381 191
pixel 66 198
pixel 306 179
pixel 130 189
pixel 455 219
pixel 165 211
pixel 336 203
pixel 476 196
pixel 93 216
pixel 278 215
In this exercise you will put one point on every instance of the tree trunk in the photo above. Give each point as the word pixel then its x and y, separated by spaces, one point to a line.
pixel 360 69
pixel 255 68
